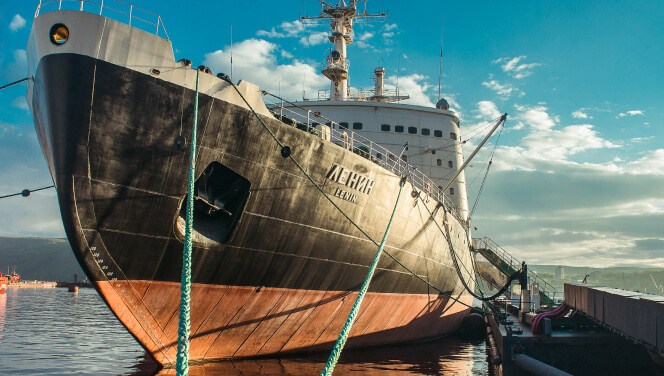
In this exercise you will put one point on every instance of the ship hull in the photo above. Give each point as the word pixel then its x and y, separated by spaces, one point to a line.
pixel 246 322
pixel 281 274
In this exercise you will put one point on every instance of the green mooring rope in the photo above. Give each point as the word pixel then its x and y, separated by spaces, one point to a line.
pixel 184 326
pixel 281 145
pixel 345 332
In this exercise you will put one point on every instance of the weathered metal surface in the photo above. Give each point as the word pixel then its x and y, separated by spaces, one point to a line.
pixel 228 323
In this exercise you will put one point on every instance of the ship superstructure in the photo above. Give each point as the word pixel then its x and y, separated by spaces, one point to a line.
pixel 432 135
pixel 275 266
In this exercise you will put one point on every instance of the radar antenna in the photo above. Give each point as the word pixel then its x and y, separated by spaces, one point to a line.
pixel 342 17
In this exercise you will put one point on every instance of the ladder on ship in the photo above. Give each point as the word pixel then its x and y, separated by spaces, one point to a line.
pixel 506 264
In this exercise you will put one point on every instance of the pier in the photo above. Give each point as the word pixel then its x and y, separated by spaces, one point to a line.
pixel 593 331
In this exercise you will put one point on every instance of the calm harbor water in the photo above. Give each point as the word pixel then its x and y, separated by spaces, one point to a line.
pixel 55 332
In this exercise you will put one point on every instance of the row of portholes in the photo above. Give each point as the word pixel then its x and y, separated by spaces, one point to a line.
pixel 397 129
pixel 413 130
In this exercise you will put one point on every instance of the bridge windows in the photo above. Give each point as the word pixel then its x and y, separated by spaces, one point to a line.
pixel 398 128
pixel 357 125
pixel 412 130
pixel 439 162
pixel 426 132
pixel 453 136
pixel 438 133
pixel 450 164
pixel 451 191
pixel 385 127
pixel 343 125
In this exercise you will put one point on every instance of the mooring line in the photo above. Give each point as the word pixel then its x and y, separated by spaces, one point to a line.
pixel 345 331
pixel 286 153
pixel 184 326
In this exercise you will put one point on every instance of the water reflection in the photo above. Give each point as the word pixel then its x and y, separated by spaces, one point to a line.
pixel 3 305
pixel 450 356
pixel 55 332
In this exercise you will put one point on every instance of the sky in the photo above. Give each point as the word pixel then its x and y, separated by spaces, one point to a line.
pixel 578 172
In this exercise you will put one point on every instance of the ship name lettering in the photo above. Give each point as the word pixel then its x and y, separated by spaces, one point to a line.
pixel 351 179
pixel 345 195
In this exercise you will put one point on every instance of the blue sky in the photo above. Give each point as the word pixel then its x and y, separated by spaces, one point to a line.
pixel 578 173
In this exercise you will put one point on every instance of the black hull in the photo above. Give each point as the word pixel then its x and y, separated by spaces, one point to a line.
pixel 116 166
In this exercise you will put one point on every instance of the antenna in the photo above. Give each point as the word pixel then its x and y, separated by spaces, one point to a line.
pixel 231 53
pixel 341 18
pixel 440 65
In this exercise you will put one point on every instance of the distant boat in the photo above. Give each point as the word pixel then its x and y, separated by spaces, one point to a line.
pixel 13 277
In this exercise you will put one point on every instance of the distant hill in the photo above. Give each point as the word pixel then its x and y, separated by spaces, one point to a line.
pixel 648 280
pixel 39 258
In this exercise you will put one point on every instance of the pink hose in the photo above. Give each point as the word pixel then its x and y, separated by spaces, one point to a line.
pixel 558 312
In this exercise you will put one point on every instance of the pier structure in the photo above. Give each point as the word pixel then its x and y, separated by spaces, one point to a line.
pixel 599 331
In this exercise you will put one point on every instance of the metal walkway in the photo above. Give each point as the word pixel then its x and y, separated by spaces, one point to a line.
pixel 507 265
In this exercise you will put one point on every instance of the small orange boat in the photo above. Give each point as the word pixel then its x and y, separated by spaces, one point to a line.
pixel 3 283
pixel 13 277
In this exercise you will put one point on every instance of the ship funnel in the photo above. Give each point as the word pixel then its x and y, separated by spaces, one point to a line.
pixel 380 76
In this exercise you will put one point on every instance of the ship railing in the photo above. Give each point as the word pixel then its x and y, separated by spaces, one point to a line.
pixel 361 95
pixel 113 9
pixel 339 134
pixel 339 63
pixel 513 264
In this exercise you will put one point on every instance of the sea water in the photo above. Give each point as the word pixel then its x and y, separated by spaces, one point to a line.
pixel 56 332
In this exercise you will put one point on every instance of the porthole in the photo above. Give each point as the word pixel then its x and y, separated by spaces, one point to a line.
pixel 412 130
pixel 426 132
pixel 155 72
pixel 398 128
pixel 385 127
pixel 59 34
pixel 438 133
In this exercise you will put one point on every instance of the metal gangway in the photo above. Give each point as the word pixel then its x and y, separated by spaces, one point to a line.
pixel 508 265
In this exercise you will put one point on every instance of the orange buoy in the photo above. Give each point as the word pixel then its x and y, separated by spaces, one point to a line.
pixel 73 288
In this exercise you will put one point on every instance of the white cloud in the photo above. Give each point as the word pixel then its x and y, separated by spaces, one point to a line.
pixel 560 144
pixel 579 114
pixel 20 102
pixel 630 113
pixel 641 139
pixel 389 27
pixel 255 60
pixel 487 110
pixel 537 117
pixel 416 87
pixel 546 147
pixel 17 23
pixel 505 90
pixel 286 29
pixel 365 36
pixel 314 39
pixel 513 67
pixel 651 164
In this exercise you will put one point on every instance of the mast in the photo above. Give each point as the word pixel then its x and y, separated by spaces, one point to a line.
pixel 342 17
